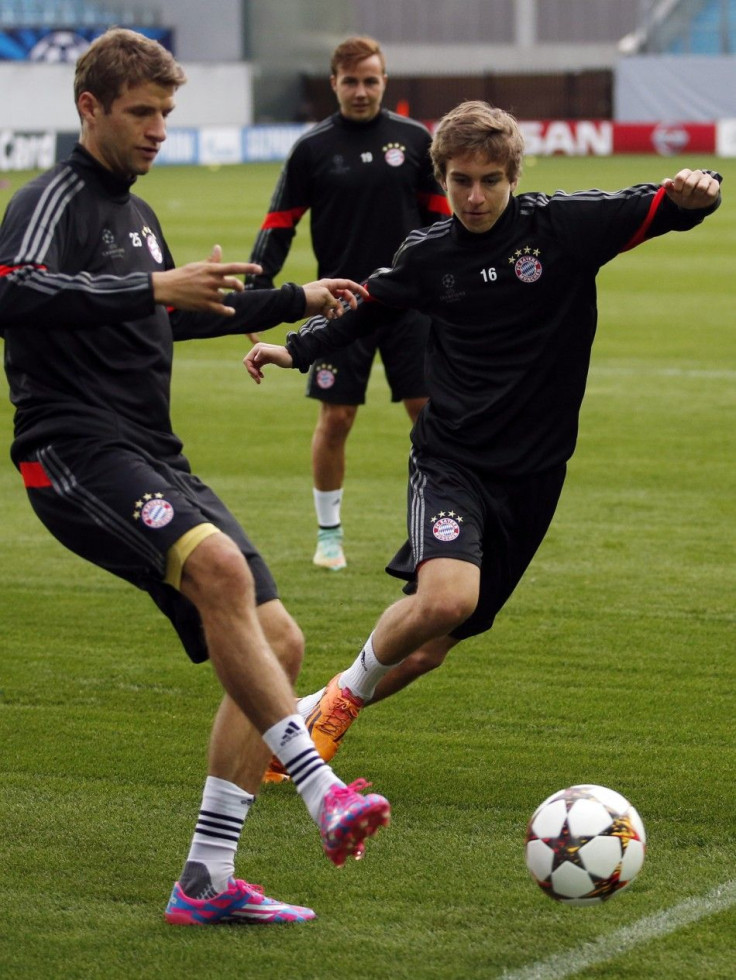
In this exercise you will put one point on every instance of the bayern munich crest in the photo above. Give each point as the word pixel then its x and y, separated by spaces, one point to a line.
pixel 446 526
pixel 324 375
pixel 394 154
pixel 153 510
pixel 153 247
pixel 527 266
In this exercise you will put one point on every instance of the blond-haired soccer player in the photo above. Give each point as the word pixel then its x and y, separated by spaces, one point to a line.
pixel 375 162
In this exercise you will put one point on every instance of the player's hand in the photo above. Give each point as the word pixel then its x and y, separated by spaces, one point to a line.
pixel 692 189
pixel 262 354
pixel 199 285
pixel 324 297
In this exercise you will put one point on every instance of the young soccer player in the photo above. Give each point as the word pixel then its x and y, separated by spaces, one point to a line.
pixel 509 284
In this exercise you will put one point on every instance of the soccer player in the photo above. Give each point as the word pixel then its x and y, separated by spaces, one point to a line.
pixel 509 283
pixel 90 304
pixel 376 164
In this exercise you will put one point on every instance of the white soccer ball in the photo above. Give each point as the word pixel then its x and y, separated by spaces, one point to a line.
pixel 584 844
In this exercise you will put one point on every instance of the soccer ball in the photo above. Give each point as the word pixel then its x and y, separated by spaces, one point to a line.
pixel 584 844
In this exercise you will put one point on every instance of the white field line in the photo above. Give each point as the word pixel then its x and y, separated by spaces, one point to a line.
pixel 664 372
pixel 609 947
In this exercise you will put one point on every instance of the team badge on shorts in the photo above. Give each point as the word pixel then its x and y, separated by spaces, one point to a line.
pixel 527 267
pixel 153 510
pixel 446 525
pixel 324 375
pixel 394 154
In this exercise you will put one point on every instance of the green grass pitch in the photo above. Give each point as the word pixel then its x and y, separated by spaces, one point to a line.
pixel 613 663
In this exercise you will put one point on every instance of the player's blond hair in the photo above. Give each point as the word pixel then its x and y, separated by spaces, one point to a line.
pixel 478 128
pixel 121 59
pixel 355 49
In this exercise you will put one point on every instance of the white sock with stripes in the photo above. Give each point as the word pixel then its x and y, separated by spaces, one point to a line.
pixel 211 859
pixel 292 745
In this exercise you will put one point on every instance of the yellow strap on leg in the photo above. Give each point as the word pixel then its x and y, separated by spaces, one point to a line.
pixel 182 549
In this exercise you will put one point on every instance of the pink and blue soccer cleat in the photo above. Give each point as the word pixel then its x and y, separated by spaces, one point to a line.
pixel 347 818
pixel 240 903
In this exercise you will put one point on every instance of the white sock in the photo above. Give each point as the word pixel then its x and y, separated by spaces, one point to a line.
pixel 366 671
pixel 221 817
pixel 327 506
pixel 292 745
pixel 305 705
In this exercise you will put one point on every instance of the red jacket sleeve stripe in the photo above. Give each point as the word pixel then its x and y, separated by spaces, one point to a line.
pixel 641 234
pixel 5 270
pixel 282 219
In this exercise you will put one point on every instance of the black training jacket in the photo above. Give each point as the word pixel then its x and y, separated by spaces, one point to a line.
pixel 366 185
pixel 87 352
pixel 513 316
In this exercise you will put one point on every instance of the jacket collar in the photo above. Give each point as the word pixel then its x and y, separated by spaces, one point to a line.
pixel 116 187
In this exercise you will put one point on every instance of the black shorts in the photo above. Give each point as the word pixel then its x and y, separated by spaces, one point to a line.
pixel 497 524
pixel 121 509
pixel 341 377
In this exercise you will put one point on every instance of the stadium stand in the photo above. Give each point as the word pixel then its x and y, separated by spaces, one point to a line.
pixel 685 27
pixel 70 13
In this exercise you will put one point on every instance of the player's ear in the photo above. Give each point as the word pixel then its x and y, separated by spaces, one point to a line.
pixel 88 105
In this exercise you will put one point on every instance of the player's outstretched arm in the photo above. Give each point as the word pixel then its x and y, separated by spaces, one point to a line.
pixel 323 298
pixel 692 190
pixel 260 355
pixel 200 286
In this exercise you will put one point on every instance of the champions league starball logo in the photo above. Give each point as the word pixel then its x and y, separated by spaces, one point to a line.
pixel 450 293
pixel 111 249
pixel 58 47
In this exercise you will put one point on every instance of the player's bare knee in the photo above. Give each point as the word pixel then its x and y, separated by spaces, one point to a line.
pixel 431 659
pixel 283 635
pixel 422 662
pixel 217 571
pixel 336 421
pixel 289 648
pixel 446 612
